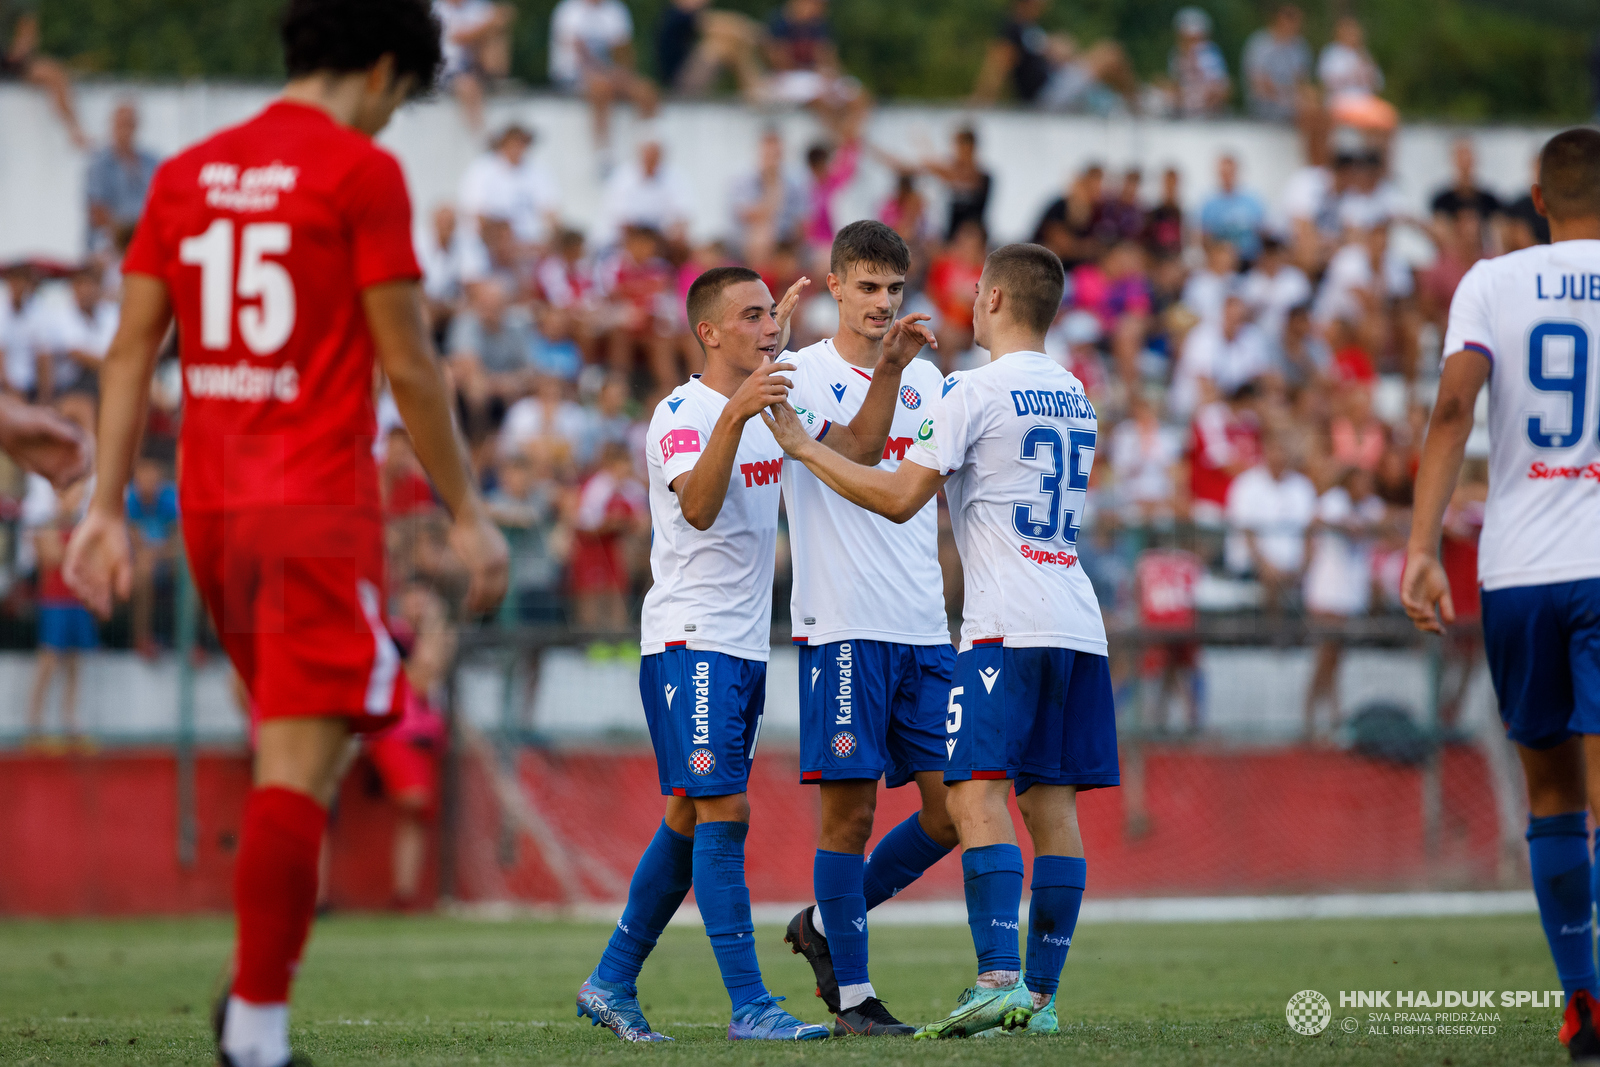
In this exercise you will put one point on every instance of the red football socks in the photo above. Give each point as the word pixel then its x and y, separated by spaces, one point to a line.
pixel 274 890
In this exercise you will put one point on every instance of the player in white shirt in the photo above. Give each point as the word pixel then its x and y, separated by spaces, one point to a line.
pixel 714 475
pixel 1011 443
pixel 868 616
pixel 1533 318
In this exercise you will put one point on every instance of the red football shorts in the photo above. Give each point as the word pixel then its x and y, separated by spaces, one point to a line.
pixel 297 596
pixel 406 770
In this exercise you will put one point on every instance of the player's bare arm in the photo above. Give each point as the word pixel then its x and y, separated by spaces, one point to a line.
pixel 896 495
pixel 1425 592
pixel 702 490
pixel 394 315
pixel 99 563
pixel 44 442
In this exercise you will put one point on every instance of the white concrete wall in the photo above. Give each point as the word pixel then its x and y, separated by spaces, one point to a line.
pixel 41 175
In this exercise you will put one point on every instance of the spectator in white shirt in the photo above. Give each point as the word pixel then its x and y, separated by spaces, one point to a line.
pixel 506 183
pixel 1203 293
pixel 1361 280
pixel 476 41
pixel 1338 583
pixel 442 254
pixel 1226 354
pixel 1345 67
pixel 591 55
pixel 1270 507
pixel 1144 459
pixel 1274 286
pixel 646 193
pixel 77 336
pixel 547 424
pixel 23 329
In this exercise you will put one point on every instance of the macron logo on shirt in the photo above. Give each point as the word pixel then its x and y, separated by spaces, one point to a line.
pixel 678 442
pixel 838 390
pixel 675 403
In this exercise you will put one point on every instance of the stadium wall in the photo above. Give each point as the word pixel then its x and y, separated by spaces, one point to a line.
pixel 97 835
pixel 41 175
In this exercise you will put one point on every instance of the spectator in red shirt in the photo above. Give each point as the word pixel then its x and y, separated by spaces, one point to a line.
pixel 1224 442
pixel 611 507
pixel 952 281
pixel 66 627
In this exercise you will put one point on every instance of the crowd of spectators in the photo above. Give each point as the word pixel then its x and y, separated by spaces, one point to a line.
pixel 1259 366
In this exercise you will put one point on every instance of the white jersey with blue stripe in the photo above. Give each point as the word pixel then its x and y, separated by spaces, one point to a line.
pixel 1535 314
pixel 1017 439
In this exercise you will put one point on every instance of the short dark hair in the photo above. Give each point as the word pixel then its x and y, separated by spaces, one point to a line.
pixel 1569 174
pixel 346 36
pixel 870 243
pixel 1032 279
pixel 705 295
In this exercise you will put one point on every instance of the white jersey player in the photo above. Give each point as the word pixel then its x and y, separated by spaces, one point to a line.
pixel 1528 324
pixel 868 618
pixel 1012 443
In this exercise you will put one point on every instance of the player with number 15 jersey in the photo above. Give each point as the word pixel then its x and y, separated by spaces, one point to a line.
pixel 265 235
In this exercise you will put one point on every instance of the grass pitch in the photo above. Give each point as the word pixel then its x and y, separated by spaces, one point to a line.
pixel 444 991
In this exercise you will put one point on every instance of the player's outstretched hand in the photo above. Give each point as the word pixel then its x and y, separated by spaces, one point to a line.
pixel 480 545
pixel 99 562
pixel 904 340
pixel 44 442
pixel 786 428
pixel 785 310
pixel 765 386
pixel 1425 592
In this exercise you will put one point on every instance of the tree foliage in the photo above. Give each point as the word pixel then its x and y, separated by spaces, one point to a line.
pixel 1451 59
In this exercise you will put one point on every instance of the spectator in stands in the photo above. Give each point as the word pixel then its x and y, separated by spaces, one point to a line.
pixel 1277 65
pixel 1205 290
pixel 489 353
pixel 769 204
pixel 441 251
pixel 967 183
pixel 76 336
pixel 496 254
pixel 1274 286
pixel 640 317
pixel 1464 193
pixel 152 506
pixel 547 426
pixel 21 60
pixel 1122 217
pixel 1345 68
pixel 118 179
pixel 1338 581
pixel 1223 354
pixel 805 67
pixel 475 37
pixel 1049 70
pixel 524 504
pixel 1594 77
pixel 23 328
pixel 952 281
pixel 831 169
pixel 1458 238
pixel 694 44
pixel 1146 457
pixel 1299 356
pixel 1270 507
pixel 1224 442
pixel 591 55
pixel 1071 224
pixel 506 183
pixel 406 755
pixel 647 192
pixel 66 627
pixel 1200 82
pixel 1163 224
pixel 612 508
pixel 1233 214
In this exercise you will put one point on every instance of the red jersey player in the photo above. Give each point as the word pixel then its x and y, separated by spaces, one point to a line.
pixel 282 247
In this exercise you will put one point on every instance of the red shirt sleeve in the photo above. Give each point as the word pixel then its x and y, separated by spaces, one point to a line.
pixel 147 252
pixel 379 213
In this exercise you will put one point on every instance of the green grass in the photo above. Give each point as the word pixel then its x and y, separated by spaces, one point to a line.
pixel 444 991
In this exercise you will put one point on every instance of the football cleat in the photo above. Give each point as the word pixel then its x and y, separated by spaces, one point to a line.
pixel 803 940
pixel 868 1019
pixel 1577 1028
pixel 616 1007
pixel 981 1009
pixel 219 1016
pixel 763 1020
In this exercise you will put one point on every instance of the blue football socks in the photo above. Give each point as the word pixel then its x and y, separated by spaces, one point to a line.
pixel 725 907
pixel 900 858
pixel 1558 858
pixel 837 877
pixel 1058 883
pixel 660 882
pixel 993 877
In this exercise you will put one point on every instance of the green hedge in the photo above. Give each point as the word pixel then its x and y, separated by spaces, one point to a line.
pixel 1455 59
